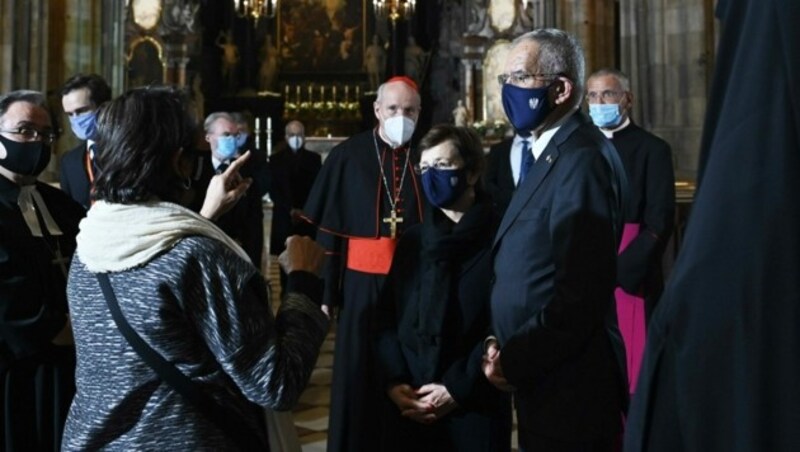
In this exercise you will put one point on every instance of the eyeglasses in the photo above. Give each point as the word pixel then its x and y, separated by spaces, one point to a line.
pixel 439 165
pixel 607 95
pixel 522 78
pixel 28 134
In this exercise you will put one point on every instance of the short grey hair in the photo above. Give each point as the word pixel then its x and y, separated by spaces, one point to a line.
pixel 383 85
pixel 622 78
pixel 23 95
pixel 213 117
pixel 559 53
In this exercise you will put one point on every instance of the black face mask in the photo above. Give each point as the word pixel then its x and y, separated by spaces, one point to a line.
pixel 26 159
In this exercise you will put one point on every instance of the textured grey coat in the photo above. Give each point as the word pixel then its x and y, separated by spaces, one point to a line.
pixel 205 310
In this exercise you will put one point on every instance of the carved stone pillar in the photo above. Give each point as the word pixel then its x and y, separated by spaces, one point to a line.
pixel 667 49
pixel 593 23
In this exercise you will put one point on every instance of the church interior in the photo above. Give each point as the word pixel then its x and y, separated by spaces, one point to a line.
pixel 320 62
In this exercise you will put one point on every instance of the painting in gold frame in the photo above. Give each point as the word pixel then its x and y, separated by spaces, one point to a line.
pixel 322 36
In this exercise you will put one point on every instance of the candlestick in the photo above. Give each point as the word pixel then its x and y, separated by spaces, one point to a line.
pixel 333 98
pixel 269 136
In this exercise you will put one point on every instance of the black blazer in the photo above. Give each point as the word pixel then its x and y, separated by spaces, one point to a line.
pixel 291 177
pixel 74 180
pixel 554 267
pixel 245 221
pixel 499 180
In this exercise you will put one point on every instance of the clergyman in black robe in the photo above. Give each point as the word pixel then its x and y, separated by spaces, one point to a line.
pixel 38 225
pixel 721 367
pixel 363 199
pixel 649 215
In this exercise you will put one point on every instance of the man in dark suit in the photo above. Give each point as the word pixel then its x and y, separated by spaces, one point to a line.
pixel 245 221
pixel 293 171
pixel 554 257
pixel 81 96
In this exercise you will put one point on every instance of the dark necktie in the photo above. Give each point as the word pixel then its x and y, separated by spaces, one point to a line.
pixel 526 161
pixel 223 166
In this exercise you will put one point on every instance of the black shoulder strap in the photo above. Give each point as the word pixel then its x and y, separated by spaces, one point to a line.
pixel 238 431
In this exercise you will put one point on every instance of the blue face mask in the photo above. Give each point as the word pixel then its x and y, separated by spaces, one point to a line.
pixel 241 139
pixel 226 147
pixel 606 116
pixel 443 187
pixel 84 125
pixel 526 108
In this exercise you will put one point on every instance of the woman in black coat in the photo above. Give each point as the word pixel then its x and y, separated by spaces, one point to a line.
pixel 434 311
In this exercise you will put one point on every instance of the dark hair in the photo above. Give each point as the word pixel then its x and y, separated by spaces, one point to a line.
pixel 138 135
pixel 99 91
pixel 465 140
pixel 23 95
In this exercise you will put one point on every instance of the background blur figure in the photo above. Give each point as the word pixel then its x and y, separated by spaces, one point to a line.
pixel 649 215
pixel 81 96
pixel 188 290
pixel 415 59
pixel 38 224
pixel 293 170
pixel 461 115
pixel 434 311
pixel 245 221
pixel 230 59
pixel 375 62
pixel 721 367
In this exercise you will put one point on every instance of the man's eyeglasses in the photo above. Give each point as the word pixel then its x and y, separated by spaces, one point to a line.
pixel 522 78
pixel 607 95
pixel 29 134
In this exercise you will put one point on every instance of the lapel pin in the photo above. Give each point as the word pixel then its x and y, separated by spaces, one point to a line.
pixel 549 158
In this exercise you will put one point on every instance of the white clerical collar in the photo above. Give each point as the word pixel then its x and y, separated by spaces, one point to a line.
pixel 609 133
pixel 29 201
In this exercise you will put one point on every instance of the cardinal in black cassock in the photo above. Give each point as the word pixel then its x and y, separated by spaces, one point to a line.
pixel 722 363
pixel 364 197
pixel 38 225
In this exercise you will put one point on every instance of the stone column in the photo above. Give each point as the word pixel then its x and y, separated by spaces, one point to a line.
pixel 593 23
pixel 667 49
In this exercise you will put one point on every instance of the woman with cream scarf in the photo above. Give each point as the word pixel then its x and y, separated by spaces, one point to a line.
pixel 186 288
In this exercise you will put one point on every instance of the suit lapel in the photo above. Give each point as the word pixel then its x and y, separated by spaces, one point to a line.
pixel 532 181
pixel 539 171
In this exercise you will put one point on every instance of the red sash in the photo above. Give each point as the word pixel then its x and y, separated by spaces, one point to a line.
pixel 370 255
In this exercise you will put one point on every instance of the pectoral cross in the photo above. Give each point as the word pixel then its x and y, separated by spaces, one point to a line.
pixel 61 261
pixel 393 220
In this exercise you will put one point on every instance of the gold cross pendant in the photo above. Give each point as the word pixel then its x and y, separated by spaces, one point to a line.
pixel 393 220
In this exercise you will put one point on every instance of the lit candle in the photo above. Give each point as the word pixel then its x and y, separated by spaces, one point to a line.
pixel 269 136
pixel 347 93
pixel 333 98
pixel 322 93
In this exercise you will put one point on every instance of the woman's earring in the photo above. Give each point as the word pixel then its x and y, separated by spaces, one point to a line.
pixel 187 183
